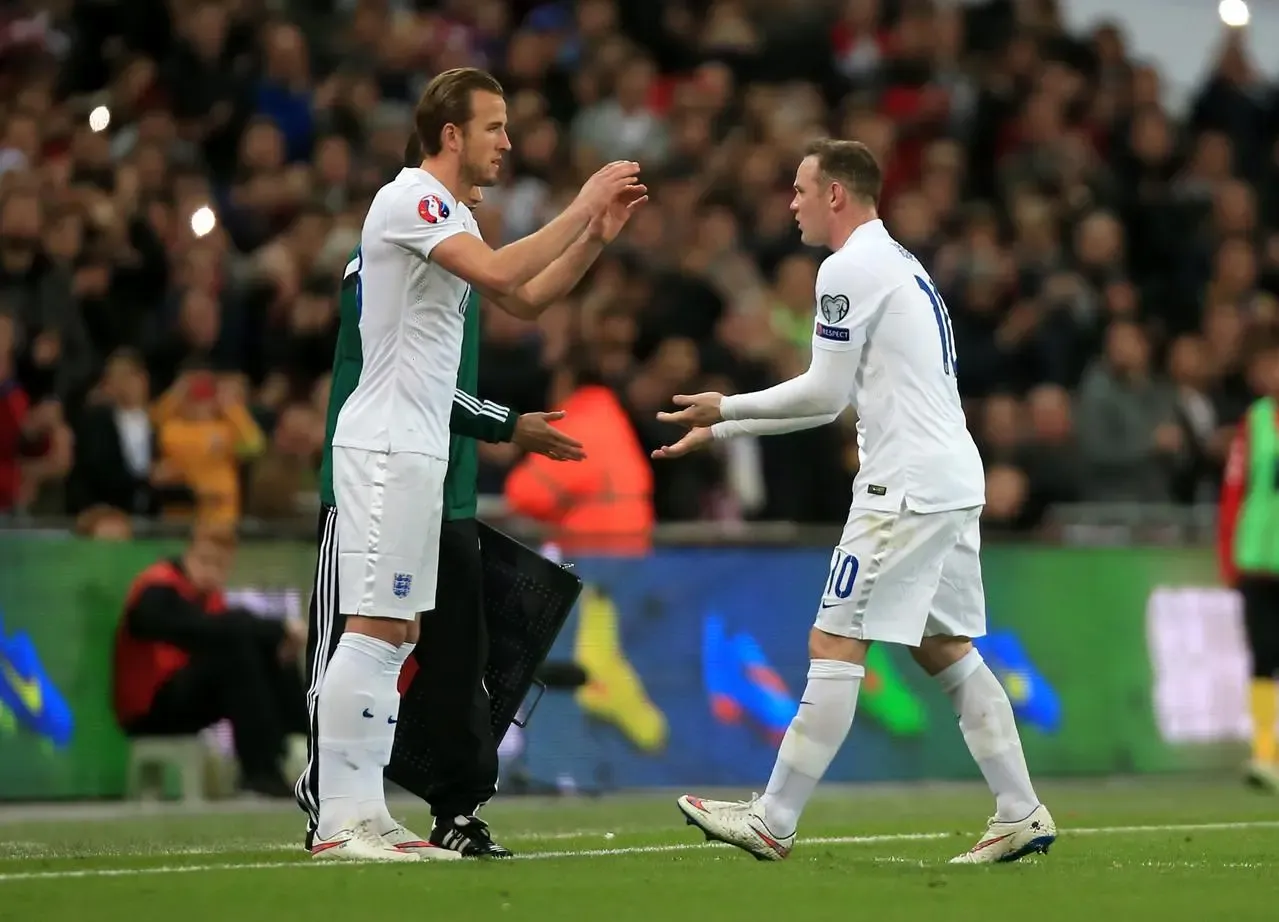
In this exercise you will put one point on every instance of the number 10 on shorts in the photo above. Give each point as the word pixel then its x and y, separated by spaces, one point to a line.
pixel 843 573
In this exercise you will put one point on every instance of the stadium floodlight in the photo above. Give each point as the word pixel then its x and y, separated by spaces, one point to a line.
pixel 203 220
pixel 1234 13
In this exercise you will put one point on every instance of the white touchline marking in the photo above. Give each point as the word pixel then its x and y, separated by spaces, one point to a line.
pixel 646 850
pixel 32 849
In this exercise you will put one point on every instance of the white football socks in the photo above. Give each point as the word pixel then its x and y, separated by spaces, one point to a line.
pixel 372 796
pixel 352 714
pixel 813 738
pixel 986 720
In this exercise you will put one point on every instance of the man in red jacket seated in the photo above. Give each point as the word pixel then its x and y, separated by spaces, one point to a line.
pixel 184 660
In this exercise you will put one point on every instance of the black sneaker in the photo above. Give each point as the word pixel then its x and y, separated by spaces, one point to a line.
pixel 468 836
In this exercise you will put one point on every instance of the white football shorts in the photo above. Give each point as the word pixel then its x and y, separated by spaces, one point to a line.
pixel 898 577
pixel 389 507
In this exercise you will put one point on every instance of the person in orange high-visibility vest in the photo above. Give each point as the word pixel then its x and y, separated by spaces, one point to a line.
pixel 604 503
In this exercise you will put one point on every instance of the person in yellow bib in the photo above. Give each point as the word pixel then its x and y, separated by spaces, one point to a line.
pixel 1248 551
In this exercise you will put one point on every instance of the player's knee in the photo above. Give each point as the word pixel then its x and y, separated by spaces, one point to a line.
pixel 822 645
pixel 389 630
pixel 938 653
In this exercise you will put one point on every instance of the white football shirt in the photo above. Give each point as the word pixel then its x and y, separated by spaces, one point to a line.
pixel 411 320
pixel 882 336
pixel 877 304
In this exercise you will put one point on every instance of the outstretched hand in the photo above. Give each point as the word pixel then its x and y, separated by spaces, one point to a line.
pixel 618 178
pixel 700 410
pixel 534 433
pixel 693 440
pixel 606 225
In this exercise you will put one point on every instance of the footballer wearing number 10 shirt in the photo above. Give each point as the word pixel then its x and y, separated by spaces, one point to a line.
pixel 906 569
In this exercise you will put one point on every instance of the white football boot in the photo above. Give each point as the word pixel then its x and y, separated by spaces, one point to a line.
pixel 736 823
pixel 359 843
pixel 407 841
pixel 1010 841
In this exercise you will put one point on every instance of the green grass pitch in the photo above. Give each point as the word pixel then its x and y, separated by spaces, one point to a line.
pixel 1131 850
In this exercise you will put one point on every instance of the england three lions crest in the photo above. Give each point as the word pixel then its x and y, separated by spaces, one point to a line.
pixel 401 585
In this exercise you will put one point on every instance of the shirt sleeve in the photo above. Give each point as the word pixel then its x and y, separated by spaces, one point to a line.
pixel 482 420
pixel 732 429
pixel 823 390
pixel 843 309
pixel 419 220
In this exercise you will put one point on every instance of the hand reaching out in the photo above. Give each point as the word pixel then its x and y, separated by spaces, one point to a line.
pixel 534 432
pixel 699 410
pixel 605 226
pixel 619 178
pixel 693 440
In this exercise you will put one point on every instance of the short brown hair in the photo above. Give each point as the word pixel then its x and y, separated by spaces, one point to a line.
pixel 447 101
pixel 849 163
pixel 413 150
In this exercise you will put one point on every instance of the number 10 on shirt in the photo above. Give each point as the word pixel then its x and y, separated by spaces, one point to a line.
pixel 943 323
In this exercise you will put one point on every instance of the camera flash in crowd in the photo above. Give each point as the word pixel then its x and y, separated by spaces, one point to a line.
pixel 203 220
pixel 1233 13
pixel 99 118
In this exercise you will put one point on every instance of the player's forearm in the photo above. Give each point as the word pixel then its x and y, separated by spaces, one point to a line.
pixel 524 259
pixel 821 391
pixel 555 281
pixel 732 429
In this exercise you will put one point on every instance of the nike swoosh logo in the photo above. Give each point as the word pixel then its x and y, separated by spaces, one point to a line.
pixel 770 841
pixel 989 842
pixel 830 604
pixel 391 720
pixel 27 690
pixel 368 713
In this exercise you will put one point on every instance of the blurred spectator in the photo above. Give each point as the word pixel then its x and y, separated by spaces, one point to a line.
pixel 204 211
pixel 104 523
pixel 35 443
pixel 204 431
pixel 605 502
pixel 1130 441
pixel 115 449
pixel 287 467
pixel 1051 455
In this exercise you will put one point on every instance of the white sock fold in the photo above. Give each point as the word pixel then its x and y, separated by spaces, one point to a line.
pixel 813 738
pixel 986 720
pixel 351 711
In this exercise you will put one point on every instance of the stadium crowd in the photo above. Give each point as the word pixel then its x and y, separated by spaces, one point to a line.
pixel 1106 262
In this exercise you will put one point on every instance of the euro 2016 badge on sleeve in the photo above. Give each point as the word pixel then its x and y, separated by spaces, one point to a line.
pixel 401 584
pixel 432 209
pixel 834 308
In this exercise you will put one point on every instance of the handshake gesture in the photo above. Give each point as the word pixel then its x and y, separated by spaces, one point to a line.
pixel 610 197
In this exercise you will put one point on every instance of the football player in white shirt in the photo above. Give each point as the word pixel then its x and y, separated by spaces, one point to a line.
pixel 420 253
pixel 906 569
